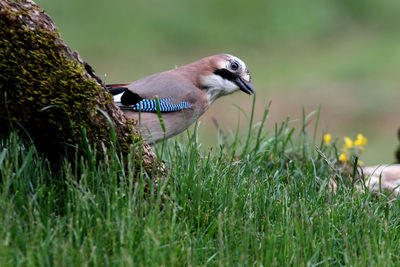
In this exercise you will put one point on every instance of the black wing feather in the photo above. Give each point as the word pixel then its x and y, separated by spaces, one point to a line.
pixel 128 98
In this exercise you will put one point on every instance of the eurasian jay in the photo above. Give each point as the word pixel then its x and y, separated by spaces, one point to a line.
pixel 181 95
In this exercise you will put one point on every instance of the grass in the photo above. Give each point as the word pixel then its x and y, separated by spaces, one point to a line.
pixel 259 198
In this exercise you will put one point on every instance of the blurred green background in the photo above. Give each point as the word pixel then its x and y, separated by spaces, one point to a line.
pixel 343 55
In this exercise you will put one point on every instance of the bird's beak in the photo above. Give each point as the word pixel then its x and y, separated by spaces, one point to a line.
pixel 246 87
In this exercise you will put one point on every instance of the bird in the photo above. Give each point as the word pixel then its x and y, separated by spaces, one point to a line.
pixel 180 95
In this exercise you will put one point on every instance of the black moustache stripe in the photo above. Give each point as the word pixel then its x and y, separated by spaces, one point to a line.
pixel 226 74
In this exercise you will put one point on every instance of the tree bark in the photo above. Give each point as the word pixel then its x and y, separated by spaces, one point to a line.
pixel 49 92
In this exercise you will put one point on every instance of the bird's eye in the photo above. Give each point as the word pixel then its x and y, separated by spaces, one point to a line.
pixel 234 65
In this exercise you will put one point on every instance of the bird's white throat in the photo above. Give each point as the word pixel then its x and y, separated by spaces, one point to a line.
pixel 217 86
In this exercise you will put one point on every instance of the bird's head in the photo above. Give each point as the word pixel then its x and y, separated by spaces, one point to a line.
pixel 225 75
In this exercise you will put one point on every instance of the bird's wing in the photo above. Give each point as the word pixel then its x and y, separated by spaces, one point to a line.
pixel 174 93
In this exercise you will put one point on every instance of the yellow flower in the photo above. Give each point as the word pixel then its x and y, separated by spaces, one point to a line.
pixel 361 140
pixel 327 138
pixel 343 157
pixel 348 142
pixel 360 163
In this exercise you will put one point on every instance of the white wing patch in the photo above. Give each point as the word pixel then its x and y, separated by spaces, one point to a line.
pixel 117 98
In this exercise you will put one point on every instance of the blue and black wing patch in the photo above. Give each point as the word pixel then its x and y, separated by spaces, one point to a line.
pixel 133 101
pixel 166 105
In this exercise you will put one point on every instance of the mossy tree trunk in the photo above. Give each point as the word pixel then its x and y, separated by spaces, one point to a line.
pixel 49 92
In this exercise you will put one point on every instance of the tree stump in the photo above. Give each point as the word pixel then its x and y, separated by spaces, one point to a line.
pixel 49 92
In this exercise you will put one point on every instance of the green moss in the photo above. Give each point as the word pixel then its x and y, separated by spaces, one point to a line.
pixel 42 90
